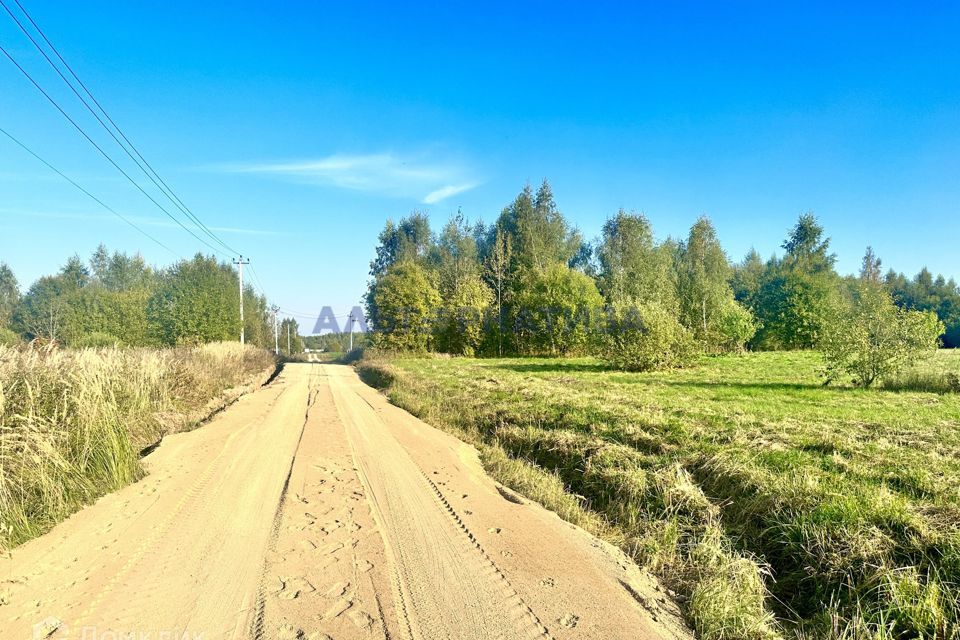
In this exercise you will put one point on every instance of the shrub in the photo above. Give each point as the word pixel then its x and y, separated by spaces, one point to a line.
pixel 9 338
pixel 644 337
pixel 96 339
pixel 736 327
pixel 869 337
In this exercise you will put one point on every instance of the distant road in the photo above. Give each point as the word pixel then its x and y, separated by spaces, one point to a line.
pixel 314 509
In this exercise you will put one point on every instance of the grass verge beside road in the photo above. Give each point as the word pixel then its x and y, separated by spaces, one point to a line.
pixel 770 504
pixel 73 422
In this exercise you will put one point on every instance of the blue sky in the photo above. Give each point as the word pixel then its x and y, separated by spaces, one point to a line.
pixel 295 130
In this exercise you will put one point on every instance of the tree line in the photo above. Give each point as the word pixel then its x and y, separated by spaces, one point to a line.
pixel 118 299
pixel 529 284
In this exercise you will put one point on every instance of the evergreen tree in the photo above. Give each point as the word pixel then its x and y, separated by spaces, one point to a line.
pixel 925 293
pixel 870 267
pixel 807 250
pixel 539 233
pixel 797 292
pixel 74 273
pixel 747 278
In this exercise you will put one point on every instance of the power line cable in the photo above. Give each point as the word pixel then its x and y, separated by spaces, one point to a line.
pixel 141 163
pixel 104 153
pixel 312 316
pixel 256 281
pixel 78 186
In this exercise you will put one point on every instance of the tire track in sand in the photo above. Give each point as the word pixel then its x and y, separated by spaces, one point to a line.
pixel 446 586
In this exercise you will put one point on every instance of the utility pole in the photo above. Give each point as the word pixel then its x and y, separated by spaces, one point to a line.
pixel 288 337
pixel 351 330
pixel 276 343
pixel 240 264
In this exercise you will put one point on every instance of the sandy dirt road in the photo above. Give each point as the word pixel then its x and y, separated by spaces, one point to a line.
pixel 313 509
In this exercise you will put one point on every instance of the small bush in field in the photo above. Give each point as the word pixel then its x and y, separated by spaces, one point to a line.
pixel 736 327
pixel 645 337
pixel 869 337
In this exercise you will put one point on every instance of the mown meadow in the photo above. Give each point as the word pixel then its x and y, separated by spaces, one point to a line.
pixel 73 422
pixel 770 504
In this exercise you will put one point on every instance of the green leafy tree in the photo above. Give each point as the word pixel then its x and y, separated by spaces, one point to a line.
pixel 43 310
pixel 114 316
pixel 336 342
pixel 870 267
pixel 497 274
pixel 410 239
pixel 555 311
pixel 463 320
pixel 257 319
pixel 119 271
pixel 195 302
pixel 9 337
pixel 465 297
pixel 289 337
pixel 868 337
pixel 631 265
pixel 9 294
pixel 404 301
pixel 703 274
pixel 924 292
pixel 793 308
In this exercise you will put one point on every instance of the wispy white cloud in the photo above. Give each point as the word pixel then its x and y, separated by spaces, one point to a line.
pixel 385 173
pixel 445 192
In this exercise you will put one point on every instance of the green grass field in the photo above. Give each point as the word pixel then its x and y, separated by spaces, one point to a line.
pixel 772 506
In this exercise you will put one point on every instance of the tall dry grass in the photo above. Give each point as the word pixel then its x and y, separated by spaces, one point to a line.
pixel 73 422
